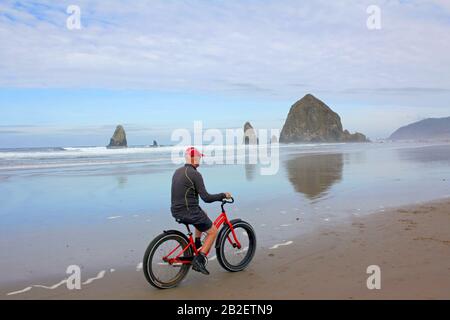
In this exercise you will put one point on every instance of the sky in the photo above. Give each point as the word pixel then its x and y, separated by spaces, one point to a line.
pixel 156 66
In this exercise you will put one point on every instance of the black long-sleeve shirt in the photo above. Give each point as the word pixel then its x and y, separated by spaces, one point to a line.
pixel 187 185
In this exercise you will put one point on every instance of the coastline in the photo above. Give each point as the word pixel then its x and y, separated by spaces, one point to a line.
pixel 410 244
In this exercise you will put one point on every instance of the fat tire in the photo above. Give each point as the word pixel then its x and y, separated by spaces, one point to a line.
pixel 184 269
pixel 220 245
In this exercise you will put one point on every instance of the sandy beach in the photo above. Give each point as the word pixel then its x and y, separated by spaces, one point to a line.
pixel 410 245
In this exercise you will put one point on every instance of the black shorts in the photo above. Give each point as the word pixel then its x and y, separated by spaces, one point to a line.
pixel 199 219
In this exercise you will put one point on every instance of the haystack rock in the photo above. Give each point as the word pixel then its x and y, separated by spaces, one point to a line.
pixel 311 120
pixel 250 134
pixel 354 137
pixel 274 139
pixel 119 139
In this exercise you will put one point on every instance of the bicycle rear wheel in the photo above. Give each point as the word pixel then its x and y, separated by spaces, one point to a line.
pixel 229 256
pixel 160 273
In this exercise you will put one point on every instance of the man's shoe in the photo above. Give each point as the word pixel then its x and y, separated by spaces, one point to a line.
pixel 199 264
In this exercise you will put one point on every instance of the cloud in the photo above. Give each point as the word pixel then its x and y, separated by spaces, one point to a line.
pixel 243 46
pixel 135 129
pixel 405 90
pixel 272 49
pixel 248 87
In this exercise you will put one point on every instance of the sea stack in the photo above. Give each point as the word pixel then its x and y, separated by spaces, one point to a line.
pixel 250 134
pixel 274 139
pixel 119 138
pixel 310 120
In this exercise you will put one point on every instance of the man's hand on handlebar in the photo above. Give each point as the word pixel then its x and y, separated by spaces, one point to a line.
pixel 228 195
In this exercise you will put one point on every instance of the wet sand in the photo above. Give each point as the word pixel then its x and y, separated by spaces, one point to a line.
pixel 411 245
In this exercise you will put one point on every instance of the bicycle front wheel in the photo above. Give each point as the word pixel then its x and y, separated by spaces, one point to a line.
pixel 158 272
pixel 231 257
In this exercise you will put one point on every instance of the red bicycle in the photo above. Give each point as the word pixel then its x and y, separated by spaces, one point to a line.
pixel 168 258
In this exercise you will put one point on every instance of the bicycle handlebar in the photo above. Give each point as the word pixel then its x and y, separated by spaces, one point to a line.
pixel 228 200
pixel 225 201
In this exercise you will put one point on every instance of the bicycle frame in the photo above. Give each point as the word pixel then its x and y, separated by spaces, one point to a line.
pixel 220 220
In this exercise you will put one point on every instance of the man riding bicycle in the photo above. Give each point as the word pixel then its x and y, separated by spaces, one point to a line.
pixel 187 185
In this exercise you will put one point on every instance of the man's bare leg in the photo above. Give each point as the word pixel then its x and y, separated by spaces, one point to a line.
pixel 211 235
pixel 199 261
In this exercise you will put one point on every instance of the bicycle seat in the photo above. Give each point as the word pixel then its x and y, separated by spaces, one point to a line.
pixel 186 224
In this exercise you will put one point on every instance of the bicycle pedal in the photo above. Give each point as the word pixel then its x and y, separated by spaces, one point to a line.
pixel 187 258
